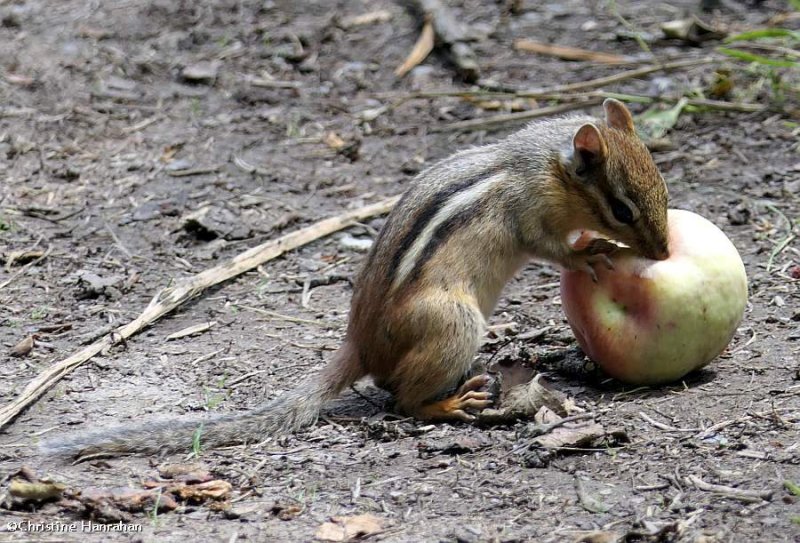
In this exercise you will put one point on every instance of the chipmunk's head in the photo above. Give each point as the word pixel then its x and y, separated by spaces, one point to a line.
pixel 614 174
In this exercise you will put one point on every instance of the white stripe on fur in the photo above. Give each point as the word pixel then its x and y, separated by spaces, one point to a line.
pixel 457 203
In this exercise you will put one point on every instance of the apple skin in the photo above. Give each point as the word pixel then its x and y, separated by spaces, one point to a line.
pixel 651 322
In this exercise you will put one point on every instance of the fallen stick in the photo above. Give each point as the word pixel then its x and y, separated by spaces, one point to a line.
pixel 621 76
pixel 450 34
pixel 185 289
pixel 571 87
pixel 488 122
pixel 580 101
pixel 729 491
pixel 567 53
pixel 715 105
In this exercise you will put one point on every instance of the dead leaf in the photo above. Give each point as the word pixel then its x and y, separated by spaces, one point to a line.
pixel 35 491
pixel 195 492
pixel 691 30
pixel 571 408
pixel 523 401
pixel 655 122
pixel 108 500
pixel 170 151
pixel 723 84
pixel 347 528
pixel 567 53
pixel 420 52
pixel 349 149
pixel 545 415
pixel 577 435
pixel 22 257
pixel 24 347
pixel 512 372
pixel 286 512
pixel 210 490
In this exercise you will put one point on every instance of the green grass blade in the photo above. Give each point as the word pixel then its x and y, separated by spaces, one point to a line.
pixel 760 59
pixel 765 33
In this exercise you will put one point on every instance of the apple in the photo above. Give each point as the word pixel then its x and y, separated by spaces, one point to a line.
pixel 650 322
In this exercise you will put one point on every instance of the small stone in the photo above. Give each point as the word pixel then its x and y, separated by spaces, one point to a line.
pixel 202 72
pixel 360 245
pixel 422 77
pixel 739 215
pixel 178 165
pixel 91 285
pixel 211 222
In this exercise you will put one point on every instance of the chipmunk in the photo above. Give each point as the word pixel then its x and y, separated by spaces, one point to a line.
pixel 437 267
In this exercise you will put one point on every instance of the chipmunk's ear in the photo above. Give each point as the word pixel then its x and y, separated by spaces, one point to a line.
pixel 589 148
pixel 618 116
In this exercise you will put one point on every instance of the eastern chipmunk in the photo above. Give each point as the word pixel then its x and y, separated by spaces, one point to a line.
pixel 435 272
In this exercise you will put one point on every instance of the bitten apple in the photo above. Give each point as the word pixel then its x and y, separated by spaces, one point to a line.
pixel 654 321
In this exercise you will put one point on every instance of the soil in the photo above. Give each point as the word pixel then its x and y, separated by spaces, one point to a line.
pixel 120 119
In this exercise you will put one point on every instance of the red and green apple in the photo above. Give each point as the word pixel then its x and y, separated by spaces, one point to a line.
pixel 653 321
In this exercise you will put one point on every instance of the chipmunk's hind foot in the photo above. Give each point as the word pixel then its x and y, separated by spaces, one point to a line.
pixel 469 396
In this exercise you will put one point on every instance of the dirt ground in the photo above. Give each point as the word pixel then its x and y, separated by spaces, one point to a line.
pixel 119 119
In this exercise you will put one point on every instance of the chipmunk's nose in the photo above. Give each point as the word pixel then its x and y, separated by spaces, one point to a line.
pixel 660 253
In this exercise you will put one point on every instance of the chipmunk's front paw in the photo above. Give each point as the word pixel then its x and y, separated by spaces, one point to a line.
pixel 599 246
pixel 595 253
pixel 591 261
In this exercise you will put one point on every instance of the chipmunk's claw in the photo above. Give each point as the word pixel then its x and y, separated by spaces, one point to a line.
pixel 594 260
pixel 596 252
pixel 591 271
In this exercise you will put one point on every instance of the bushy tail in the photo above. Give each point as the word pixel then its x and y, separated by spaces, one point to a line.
pixel 293 410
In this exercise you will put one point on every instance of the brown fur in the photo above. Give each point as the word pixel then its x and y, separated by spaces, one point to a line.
pixel 437 268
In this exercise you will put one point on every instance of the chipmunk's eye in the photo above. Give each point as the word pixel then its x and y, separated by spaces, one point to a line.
pixel 621 211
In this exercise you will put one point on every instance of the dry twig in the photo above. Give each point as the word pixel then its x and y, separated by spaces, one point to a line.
pixel 25 268
pixel 422 48
pixel 567 53
pixel 729 491
pixel 487 122
pixel 572 87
